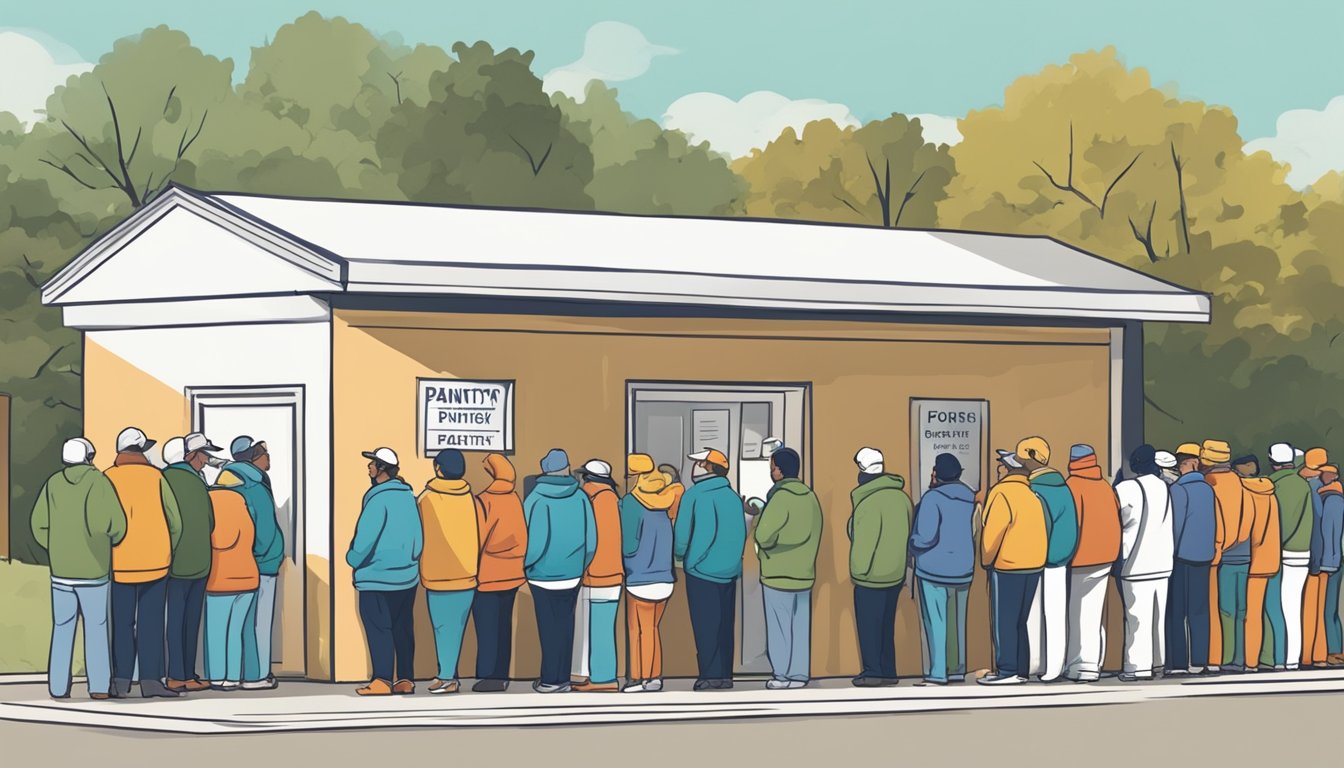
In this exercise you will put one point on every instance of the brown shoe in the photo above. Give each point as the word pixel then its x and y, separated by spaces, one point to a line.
pixel 403 688
pixel 375 688
pixel 179 686
pixel 197 685
pixel 444 686
pixel 591 687
pixel 100 696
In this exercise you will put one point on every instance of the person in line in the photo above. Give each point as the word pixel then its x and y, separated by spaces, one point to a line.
pixel 1049 616
pixel 600 593
pixel 503 548
pixel 1014 544
pixel 1313 593
pixel 451 520
pixel 1283 609
pixel 709 535
pixel 1090 570
pixel 675 485
pixel 561 543
pixel 1332 524
pixel 191 557
pixel 1246 466
pixel 78 519
pixel 1194 517
pixel 943 545
pixel 385 555
pixel 1169 464
pixel 1266 554
pixel 1146 563
pixel 231 587
pixel 1215 652
pixel 879 534
pixel 250 465
pixel 787 534
pixel 646 545
pixel 140 567
pixel 1235 559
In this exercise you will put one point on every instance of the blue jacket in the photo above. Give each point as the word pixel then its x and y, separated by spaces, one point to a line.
pixel 1192 519
pixel 646 543
pixel 1332 519
pixel 269 546
pixel 561 530
pixel 942 541
pixel 385 552
pixel 711 531
pixel 1061 516
pixel 1317 535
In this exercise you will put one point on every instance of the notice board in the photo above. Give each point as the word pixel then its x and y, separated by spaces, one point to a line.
pixel 466 415
pixel 958 427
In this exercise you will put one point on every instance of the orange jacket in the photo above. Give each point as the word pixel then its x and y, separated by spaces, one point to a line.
pixel 607 568
pixel 504 533
pixel 152 520
pixel 232 566
pixel 1231 527
pixel 452 521
pixel 1098 514
pixel 1262 508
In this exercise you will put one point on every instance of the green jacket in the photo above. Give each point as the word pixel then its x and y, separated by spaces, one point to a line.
pixel 787 535
pixel 78 519
pixel 1294 495
pixel 879 532
pixel 191 556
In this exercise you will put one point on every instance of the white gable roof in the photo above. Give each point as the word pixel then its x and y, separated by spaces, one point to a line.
pixel 328 246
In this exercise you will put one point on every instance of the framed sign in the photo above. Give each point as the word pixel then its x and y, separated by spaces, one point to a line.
pixel 958 427
pixel 466 415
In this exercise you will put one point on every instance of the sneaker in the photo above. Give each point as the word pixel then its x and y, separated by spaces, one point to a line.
pixel 1001 680
pixel 1130 677
pixel 591 687
pixel 1280 668
pixel 444 686
pixel 1235 669
pixel 654 685
pixel 541 687
pixel 713 685
pixel 374 688
pixel 926 683
pixel 403 688
pixel 153 689
pixel 1175 672
pixel 776 685
pixel 956 678
pixel 1213 669
pixel 1293 667
pixel 225 685
pixel 265 684
pixel 635 687
pixel 488 685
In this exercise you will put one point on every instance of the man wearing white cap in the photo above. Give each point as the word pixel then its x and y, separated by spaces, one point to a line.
pixel 879 534
pixel 1166 461
pixel 78 520
pixel 1284 616
pixel 190 568
pixel 594 663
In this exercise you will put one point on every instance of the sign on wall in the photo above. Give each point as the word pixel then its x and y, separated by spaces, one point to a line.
pixel 957 427
pixel 466 415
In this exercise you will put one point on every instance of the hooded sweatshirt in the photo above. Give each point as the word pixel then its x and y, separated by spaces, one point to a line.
pixel 191 556
pixel 504 537
pixel 1332 525
pixel 78 520
pixel 879 532
pixel 1013 534
pixel 1236 538
pixel 451 520
pixel 788 535
pixel 1146 541
pixel 943 541
pixel 385 551
pixel 1295 518
pixel 607 567
pixel 1263 509
pixel 269 546
pixel 1098 514
pixel 710 532
pixel 1063 514
pixel 1194 519
pixel 561 531
pixel 232 566
pixel 153 524
pixel 1313 479
pixel 646 531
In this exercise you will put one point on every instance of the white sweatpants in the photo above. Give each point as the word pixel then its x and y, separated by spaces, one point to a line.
pixel 1048 624
pixel 1087 607
pixel 1145 624
pixel 1294 581
pixel 583 609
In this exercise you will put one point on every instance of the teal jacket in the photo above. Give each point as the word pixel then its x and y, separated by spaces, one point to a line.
pixel 385 552
pixel 711 531
pixel 1061 517
pixel 788 535
pixel 561 530
pixel 879 532
pixel 191 555
pixel 269 546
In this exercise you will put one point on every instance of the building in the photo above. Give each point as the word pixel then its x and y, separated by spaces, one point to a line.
pixel 331 327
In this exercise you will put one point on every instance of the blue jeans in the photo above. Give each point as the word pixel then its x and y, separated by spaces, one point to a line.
pixel 595 641
pixel 1334 638
pixel 67 603
pixel 554 609
pixel 138 614
pixel 1011 593
pixel 257 644
pixel 186 597
pixel 492 613
pixel 935 606
pixel 1232 611
pixel 448 611
pixel 788 632
pixel 226 629
pixel 875 622
pixel 1274 653
pixel 713 613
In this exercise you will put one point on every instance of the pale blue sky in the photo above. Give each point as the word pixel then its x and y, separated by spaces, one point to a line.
pixel 875 57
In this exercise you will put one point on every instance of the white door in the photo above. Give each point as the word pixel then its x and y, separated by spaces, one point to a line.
pixel 273 415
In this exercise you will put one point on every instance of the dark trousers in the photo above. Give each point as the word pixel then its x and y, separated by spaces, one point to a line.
pixel 389 627
pixel 555 630
pixel 186 600
pixel 492 613
pixel 1188 616
pixel 137 629
pixel 713 607
pixel 875 620
pixel 1011 594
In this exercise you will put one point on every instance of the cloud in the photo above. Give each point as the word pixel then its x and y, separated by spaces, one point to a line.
pixel 612 52
pixel 737 127
pixel 1308 140
pixel 29 73
pixel 939 129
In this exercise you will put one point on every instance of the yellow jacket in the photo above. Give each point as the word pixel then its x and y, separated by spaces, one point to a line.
pixel 1013 534
pixel 452 520
pixel 152 521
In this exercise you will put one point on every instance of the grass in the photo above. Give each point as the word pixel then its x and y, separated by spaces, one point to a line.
pixel 25 620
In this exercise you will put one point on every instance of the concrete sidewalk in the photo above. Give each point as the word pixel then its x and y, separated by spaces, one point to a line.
pixel 319 706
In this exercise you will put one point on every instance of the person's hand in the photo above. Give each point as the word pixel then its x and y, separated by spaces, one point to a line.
pixel 753 506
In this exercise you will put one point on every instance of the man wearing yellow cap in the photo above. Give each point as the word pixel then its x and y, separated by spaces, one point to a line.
pixel 1049 617
pixel 1332 521
pixel 1234 561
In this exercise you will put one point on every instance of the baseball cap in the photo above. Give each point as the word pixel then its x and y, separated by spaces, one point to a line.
pixel 1008 458
pixel 1037 445
pixel 241 447
pixel 197 442
pixel 1315 458
pixel 869 461
pixel 77 450
pixel 132 439
pixel 385 455
pixel 1165 459
pixel 1188 449
pixel 174 451
pixel 771 444
pixel 638 463
pixel 554 461
pixel 597 467
pixel 711 456
pixel 1329 468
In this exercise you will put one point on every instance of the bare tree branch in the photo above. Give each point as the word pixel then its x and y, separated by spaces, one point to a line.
pixel 847 204
pixel 1107 196
pixel 101 164
pixel 43 367
pixel 52 402
pixel 124 182
pixel 28 275
pixel 533 164
pixel 1068 185
pixel 1146 239
pixel 909 193
pixel 396 80
pixel 1180 190
pixel 1162 410
pixel 183 144
pixel 169 99
pixel 883 190
pixel 66 169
